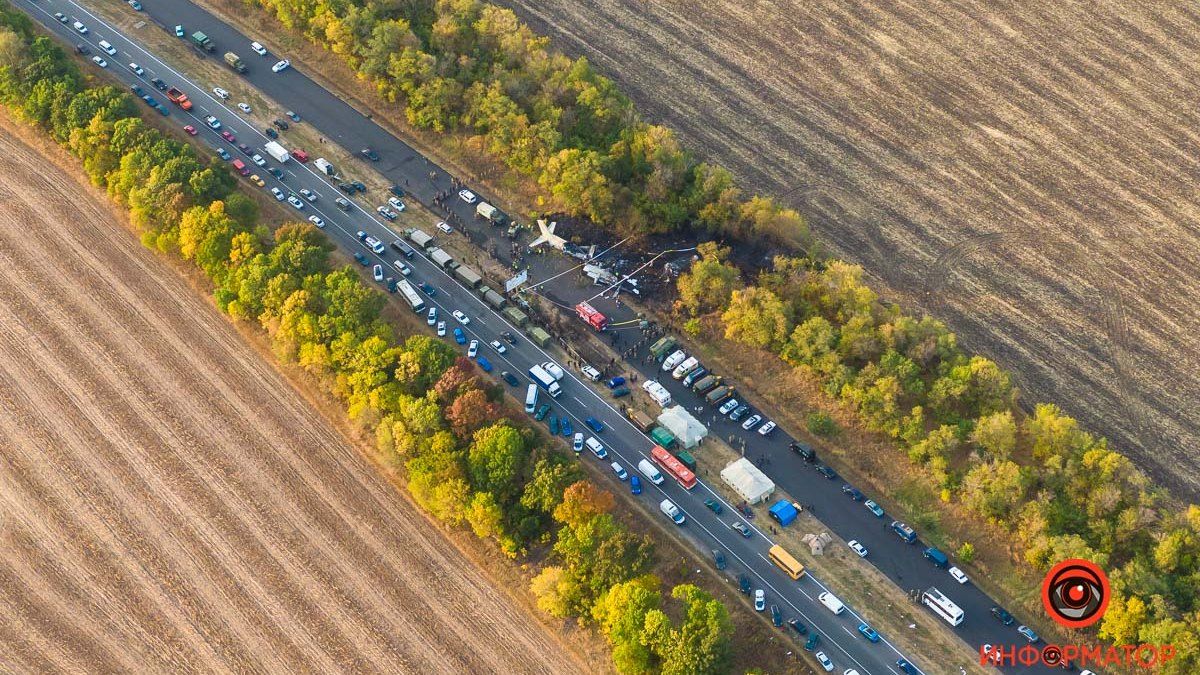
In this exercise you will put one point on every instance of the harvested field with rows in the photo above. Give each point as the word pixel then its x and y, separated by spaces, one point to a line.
pixel 1026 172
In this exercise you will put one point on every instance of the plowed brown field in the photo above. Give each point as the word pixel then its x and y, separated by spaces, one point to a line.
pixel 168 503
pixel 1026 171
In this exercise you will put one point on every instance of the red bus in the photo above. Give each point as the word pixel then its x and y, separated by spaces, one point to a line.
pixel 673 467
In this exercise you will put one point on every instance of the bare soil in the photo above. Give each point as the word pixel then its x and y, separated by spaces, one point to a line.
pixel 170 503
pixel 1024 171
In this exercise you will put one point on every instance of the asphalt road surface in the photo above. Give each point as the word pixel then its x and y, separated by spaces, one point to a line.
pixel 344 125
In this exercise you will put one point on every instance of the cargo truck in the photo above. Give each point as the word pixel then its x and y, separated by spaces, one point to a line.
pixel 591 317
pixel 179 98
pixel 662 347
pixel 719 394
pixel 542 378
pixel 326 168
pixel 494 215
pixel 662 437
pixel 640 419
pixel 234 61
pixel 516 316
pixel 539 337
pixel 201 40
pixel 277 151
pixel 706 383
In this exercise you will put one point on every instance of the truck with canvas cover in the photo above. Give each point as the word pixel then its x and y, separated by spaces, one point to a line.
pixel 662 347
pixel 277 152
pixel 234 61
pixel 421 238
pixel 662 437
pixel 539 337
pixel 202 41
pixel 515 316
pixel 719 394
pixel 492 298
pixel 591 317
pixel 707 382
pixel 469 277
pixel 640 419
pixel 494 215
pixel 176 96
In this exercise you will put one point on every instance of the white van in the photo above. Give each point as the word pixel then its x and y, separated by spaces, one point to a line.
pixel 651 472
pixel 673 360
pixel 107 47
pixel 671 511
pixel 686 367
pixel 531 398
pixel 596 447
pixel 590 373
pixel 554 370
pixel 831 602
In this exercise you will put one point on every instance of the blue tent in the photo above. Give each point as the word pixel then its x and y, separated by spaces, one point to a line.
pixel 784 512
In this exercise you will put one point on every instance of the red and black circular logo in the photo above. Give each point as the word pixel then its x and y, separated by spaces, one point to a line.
pixel 1075 593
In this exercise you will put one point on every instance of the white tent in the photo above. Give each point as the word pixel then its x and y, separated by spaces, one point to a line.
pixel 746 480
pixel 688 430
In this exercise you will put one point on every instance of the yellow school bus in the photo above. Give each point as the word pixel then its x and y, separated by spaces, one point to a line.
pixel 786 562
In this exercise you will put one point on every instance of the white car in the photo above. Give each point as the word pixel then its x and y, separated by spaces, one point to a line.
pixel 295 202
pixel 99 61
pixel 622 474
pixel 258 160
pixel 377 272
pixel 244 107
pixel 760 600
pixel 137 69
pixel 498 346
pixel 221 93
pixel 308 194
pixel 404 269
pixel 62 18
pixel 445 227
pixel 441 328
pixel 316 220
pixel 467 196
pixel 958 575
pixel 577 446
pixel 258 49
pixel 215 124
pixel 374 244
pixel 857 548
pixel 386 212
pixel 396 204
pixel 751 421
pixel 590 373
pixel 671 511
pixel 461 318
pixel 849 671
pixel 80 28
pixel 728 406
pixel 598 450
pixel 278 194
pixel 281 66
pixel 824 661
pixel 107 47
pixel 431 318
pixel 766 428
pixel 472 349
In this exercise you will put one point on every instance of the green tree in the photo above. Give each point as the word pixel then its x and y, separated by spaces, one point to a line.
pixel 757 317
pixel 620 615
pixel 996 434
pixel 551 477
pixel 710 282
pixel 703 641
pixel 495 459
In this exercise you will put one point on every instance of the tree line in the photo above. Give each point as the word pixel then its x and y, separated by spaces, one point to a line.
pixel 471 68
pixel 1059 491
pixel 466 460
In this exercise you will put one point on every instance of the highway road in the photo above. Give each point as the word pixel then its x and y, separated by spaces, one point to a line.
pixel 341 123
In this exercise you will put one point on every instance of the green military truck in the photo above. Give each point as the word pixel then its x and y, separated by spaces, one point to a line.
pixel 662 437
pixel 662 347
pixel 203 42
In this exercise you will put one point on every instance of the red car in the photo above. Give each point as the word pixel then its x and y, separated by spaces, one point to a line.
pixel 190 129
pixel 228 136
pixel 300 155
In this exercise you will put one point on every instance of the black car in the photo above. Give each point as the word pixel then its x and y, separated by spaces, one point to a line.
pixel 137 91
pixel 852 492
pixel 512 340
pixel 369 154
pixel 82 49
pixel 1002 616
pixel 362 259
pixel 429 290
pixel 744 583
pixel 798 627
pixel 827 472
pixel 358 185
pixel 813 641
pixel 391 284
pixel 804 450
pixel 738 414
pixel 397 190
pixel 277 172
pixel 719 558
pixel 271 133
pixel 159 84
pixel 776 616
pixel 246 150
pixel 346 187
pixel 510 379
pixel 280 123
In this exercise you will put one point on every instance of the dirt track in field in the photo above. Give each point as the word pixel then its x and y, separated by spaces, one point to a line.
pixel 168 503
pixel 1025 171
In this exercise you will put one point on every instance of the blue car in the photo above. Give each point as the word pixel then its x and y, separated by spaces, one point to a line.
pixel 150 101
pixel 459 336
pixel 868 632
pixel 594 424
pixel 429 290
pixel 567 430
pixel 484 363
pixel 635 485
pixel 162 110
pixel 362 259
pixel 224 154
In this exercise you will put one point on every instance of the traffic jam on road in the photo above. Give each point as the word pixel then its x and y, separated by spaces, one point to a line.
pixel 577 407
